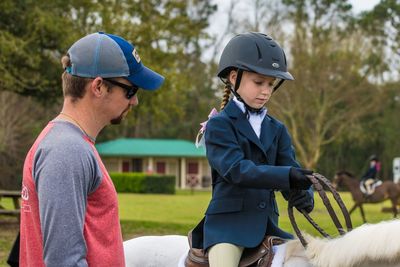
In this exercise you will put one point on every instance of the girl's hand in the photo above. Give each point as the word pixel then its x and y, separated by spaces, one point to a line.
pixel 301 200
pixel 298 178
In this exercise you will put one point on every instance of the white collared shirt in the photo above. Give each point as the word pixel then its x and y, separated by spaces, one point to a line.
pixel 255 119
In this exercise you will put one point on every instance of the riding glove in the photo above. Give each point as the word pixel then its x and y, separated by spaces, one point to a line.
pixel 298 178
pixel 302 200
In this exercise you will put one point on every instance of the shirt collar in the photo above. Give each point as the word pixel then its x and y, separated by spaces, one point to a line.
pixel 243 109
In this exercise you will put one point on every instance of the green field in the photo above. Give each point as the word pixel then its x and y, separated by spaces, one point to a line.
pixel 143 214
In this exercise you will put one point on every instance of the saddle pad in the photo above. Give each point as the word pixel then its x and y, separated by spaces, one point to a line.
pixel 279 256
pixel 373 186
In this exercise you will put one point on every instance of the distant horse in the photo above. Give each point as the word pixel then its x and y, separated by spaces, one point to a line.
pixel 387 190
pixel 369 245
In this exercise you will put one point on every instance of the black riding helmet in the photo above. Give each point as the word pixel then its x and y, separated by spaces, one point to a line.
pixel 373 157
pixel 254 52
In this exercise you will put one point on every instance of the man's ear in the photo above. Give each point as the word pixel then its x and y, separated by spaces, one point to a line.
pixel 95 86
pixel 232 77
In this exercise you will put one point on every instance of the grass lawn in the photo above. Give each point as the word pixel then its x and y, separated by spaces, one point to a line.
pixel 143 214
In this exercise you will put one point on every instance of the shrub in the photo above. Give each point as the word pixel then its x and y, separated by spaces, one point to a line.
pixel 134 182
pixel 159 184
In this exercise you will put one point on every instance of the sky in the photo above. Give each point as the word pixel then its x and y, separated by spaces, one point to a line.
pixel 358 5
pixel 217 20
pixel 361 5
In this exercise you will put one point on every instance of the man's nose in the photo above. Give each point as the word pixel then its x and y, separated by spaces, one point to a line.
pixel 134 101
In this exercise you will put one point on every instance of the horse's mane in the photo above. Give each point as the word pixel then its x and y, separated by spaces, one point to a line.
pixel 364 245
pixel 343 172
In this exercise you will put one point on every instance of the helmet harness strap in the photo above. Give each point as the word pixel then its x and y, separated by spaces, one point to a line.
pixel 278 85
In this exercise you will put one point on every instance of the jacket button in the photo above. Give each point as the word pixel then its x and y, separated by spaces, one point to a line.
pixel 262 205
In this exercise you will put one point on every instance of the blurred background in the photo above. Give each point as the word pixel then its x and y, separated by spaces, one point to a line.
pixel 343 106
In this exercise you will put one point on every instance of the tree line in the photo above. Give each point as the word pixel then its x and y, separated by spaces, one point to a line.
pixel 342 106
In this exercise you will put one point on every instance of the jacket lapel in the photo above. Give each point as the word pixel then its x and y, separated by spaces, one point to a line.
pixel 242 124
pixel 268 132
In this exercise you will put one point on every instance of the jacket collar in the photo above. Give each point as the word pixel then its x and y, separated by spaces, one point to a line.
pixel 268 129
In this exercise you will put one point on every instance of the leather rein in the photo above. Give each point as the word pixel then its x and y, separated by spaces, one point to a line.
pixel 319 182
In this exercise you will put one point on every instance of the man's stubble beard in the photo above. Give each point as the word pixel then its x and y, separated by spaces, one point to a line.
pixel 119 119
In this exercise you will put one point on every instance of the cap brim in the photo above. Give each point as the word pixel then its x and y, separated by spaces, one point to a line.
pixel 146 79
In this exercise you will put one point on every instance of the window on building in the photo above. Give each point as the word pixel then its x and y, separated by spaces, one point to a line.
pixel 193 167
pixel 137 165
pixel 125 166
pixel 161 167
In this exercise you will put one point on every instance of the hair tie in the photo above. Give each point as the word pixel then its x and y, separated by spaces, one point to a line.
pixel 200 142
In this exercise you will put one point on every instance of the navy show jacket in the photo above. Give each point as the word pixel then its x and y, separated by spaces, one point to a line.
pixel 246 170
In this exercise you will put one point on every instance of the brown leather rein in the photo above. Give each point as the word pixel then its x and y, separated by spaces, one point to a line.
pixel 319 181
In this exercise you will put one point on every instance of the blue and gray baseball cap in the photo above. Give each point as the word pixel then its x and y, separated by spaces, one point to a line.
pixel 106 55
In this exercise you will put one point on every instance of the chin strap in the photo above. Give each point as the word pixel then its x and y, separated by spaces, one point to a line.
pixel 247 107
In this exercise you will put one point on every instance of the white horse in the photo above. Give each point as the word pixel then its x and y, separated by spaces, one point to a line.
pixel 154 251
pixel 370 245
pixel 171 251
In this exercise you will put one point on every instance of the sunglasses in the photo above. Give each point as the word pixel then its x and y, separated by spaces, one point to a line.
pixel 130 90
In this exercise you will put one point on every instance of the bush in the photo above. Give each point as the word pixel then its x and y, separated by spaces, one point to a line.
pixel 128 182
pixel 134 182
pixel 159 184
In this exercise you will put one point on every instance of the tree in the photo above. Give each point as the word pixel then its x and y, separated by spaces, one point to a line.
pixel 35 34
pixel 331 64
pixel 382 23
pixel 15 135
pixel 380 28
pixel 167 35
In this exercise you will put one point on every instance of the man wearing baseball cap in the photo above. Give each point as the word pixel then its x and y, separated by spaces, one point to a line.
pixel 69 209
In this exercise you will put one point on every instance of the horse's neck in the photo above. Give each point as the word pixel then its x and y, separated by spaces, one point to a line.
pixel 384 251
pixel 351 183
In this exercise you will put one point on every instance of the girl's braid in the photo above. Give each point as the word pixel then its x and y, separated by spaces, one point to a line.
pixel 225 97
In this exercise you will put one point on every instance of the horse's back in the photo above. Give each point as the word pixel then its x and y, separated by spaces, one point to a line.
pixel 388 189
pixel 153 251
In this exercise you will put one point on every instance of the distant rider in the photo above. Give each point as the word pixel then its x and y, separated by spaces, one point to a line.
pixel 369 178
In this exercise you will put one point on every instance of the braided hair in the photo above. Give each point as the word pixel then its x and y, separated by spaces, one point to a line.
pixel 225 97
